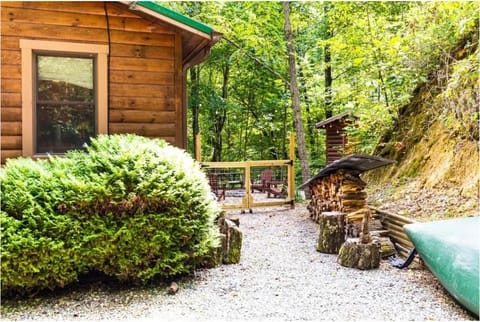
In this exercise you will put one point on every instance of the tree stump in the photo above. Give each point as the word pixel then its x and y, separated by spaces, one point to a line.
pixel 230 248
pixel 356 254
pixel 332 232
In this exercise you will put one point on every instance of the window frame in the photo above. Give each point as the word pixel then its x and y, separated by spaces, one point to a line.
pixel 29 49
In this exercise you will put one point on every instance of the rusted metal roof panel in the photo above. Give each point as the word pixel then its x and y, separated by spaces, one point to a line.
pixel 357 162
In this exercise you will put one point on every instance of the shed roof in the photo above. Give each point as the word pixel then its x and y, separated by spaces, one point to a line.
pixel 358 162
pixel 334 118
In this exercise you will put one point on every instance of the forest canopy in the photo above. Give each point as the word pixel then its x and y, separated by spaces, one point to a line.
pixel 365 58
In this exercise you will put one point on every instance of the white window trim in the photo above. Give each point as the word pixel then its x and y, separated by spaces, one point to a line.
pixel 28 48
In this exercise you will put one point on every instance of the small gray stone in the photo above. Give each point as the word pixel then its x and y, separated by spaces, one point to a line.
pixel 173 288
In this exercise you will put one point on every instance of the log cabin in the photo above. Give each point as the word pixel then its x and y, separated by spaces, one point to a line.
pixel 72 70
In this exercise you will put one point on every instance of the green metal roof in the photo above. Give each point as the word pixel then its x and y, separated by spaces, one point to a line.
pixel 176 16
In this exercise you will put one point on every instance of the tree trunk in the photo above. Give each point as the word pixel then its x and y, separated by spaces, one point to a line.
pixel 377 61
pixel 327 59
pixel 221 117
pixel 302 150
pixel 311 130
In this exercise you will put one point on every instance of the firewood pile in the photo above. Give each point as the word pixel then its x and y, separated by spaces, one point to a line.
pixel 342 190
pixel 339 205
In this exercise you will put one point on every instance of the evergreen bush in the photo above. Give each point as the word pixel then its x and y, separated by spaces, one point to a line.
pixel 130 207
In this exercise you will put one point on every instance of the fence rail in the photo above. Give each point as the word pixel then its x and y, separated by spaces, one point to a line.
pixel 247 202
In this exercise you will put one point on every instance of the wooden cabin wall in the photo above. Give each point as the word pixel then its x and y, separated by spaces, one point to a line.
pixel 336 141
pixel 145 75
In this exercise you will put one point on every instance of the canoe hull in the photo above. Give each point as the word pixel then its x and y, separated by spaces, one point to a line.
pixel 451 250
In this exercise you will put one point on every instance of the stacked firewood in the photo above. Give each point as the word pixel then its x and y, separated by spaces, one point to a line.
pixel 340 191
pixel 347 224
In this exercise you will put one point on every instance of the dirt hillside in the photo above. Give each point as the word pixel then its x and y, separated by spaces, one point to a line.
pixel 435 142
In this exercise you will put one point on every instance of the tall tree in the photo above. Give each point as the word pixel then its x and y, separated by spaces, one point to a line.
pixel 292 69
pixel 327 58
pixel 376 61
pixel 221 115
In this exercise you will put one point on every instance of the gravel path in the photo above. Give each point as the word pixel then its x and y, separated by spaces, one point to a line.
pixel 281 277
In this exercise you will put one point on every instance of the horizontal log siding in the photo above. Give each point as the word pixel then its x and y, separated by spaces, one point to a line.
pixel 145 65
pixel 336 141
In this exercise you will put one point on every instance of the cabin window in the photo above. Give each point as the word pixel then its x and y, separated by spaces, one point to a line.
pixel 65 102
pixel 64 95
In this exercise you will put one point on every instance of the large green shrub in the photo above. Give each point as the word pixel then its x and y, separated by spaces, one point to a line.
pixel 130 207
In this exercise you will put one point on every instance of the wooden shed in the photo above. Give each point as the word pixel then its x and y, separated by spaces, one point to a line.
pixel 336 136
pixel 72 70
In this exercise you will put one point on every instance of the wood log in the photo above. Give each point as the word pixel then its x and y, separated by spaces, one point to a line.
pixel 146 129
pixel 11 128
pixel 52 16
pixel 350 187
pixel 136 77
pixel 85 7
pixel 365 234
pixel 141 116
pixel 11 114
pixel 11 85
pixel 355 254
pixel 339 191
pixel 139 90
pixel 351 178
pixel 354 203
pixel 236 220
pixel 356 215
pixel 141 64
pixel 233 247
pixel 354 195
pixel 387 248
pixel 332 232
pixel 6 154
pixel 141 103
pixel 11 100
pixel 229 251
pixel 11 142
pixel 11 59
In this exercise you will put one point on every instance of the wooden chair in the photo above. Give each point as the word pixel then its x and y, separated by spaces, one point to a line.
pixel 213 181
pixel 265 179
pixel 275 192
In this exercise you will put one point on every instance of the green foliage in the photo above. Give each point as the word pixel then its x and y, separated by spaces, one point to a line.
pixel 459 99
pixel 380 52
pixel 129 207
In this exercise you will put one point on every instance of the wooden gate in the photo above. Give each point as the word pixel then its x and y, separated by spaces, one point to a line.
pixel 283 191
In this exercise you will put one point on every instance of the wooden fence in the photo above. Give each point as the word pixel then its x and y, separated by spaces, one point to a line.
pixel 247 201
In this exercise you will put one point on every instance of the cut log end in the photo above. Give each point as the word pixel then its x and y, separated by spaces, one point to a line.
pixel 332 232
pixel 355 254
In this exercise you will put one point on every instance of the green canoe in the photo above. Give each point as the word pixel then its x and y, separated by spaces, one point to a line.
pixel 451 249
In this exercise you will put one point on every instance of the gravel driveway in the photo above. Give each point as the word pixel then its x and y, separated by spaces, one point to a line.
pixel 281 277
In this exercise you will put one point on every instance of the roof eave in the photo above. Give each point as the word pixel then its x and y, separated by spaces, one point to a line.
pixel 334 118
pixel 202 52
pixel 170 17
